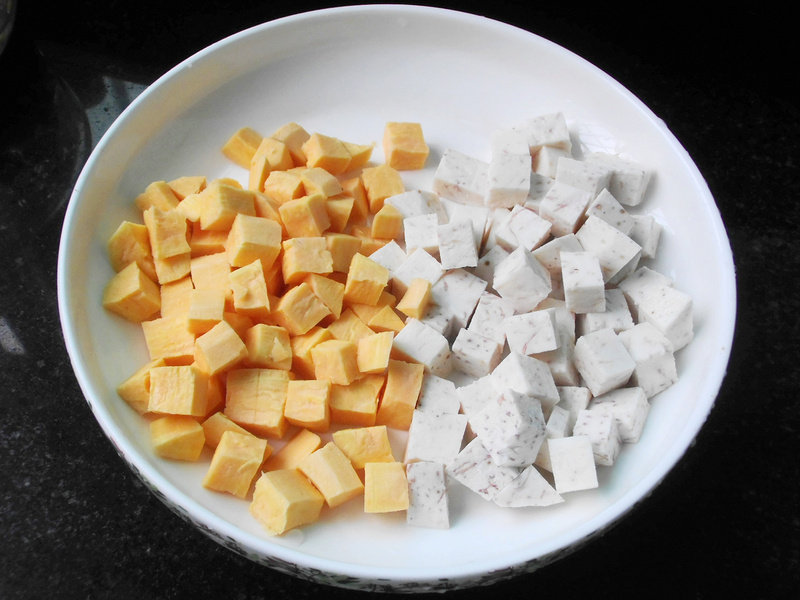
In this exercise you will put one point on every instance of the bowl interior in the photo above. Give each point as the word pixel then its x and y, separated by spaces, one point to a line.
pixel 346 72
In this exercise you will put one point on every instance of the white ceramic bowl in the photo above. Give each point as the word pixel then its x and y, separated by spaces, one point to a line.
pixel 346 72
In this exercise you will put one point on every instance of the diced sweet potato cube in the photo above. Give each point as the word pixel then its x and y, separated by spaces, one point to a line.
pixel 319 181
pixel 354 187
pixel 178 390
pixel 404 146
pixel 169 338
pixel 253 238
pixel 240 322
pixel 357 403
pixel 385 487
pixel 366 279
pixel 283 186
pixel 158 194
pixel 403 385
pixel 332 473
pixel 211 272
pixel 304 255
pixel 359 154
pixel 302 362
pixel 416 299
pixel 206 309
pixel 271 155
pixel 204 242
pixel 131 243
pixel 173 268
pixel 268 346
pixel 380 182
pixel 331 292
pixel 255 399
pixel 294 136
pixel 249 291
pixel 364 445
pixel 387 223
pixel 299 309
pixel 135 390
pixel 349 327
pixel 222 203
pixel 215 397
pixel 326 152
pixel 300 445
pixel 236 460
pixel 285 499
pixel 167 231
pixel 343 247
pixel 218 349
pixel 241 146
pixel 132 295
pixel 339 209
pixel 374 351
pixel 386 319
pixel 307 404
pixel 187 185
pixel 217 424
pixel 177 437
pixel 306 216
pixel 335 361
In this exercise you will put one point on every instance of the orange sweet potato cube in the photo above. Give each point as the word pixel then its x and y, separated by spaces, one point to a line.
pixel 235 463
pixel 135 390
pixel 332 473
pixel 363 445
pixel 253 238
pixel 380 182
pixel 176 297
pixel 241 146
pixel 356 404
pixel 249 291
pixel 285 499
pixel 255 399
pixel 317 180
pixel 386 319
pixel 217 424
pixel 385 487
pixel 359 154
pixel 387 223
pixel 158 194
pixel 366 280
pixel 187 185
pixel 306 216
pixel 330 291
pixel 219 349
pixel 206 309
pixel 268 346
pixel 271 155
pixel 178 390
pixel 399 398
pixel 167 231
pixel 349 327
pixel 326 152
pixel 131 243
pixel 416 299
pixel 222 203
pixel 283 186
pixel 404 146
pixel 294 136
pixel 132 295
pixel 299 309
pixel 343 247
pixel 339 209
pixel 177 437
pixel 354 187
pixel 374 351
pixel 288 456
pixel 304 255
pixel 302 363
pixel 211 272
pixel 204 242
pixel 307 404
pixel 335 361
pixel 169 338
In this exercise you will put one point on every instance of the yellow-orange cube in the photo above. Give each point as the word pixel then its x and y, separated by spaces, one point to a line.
pixel 132 295
pixel 304 255
pixel 300 445
pixel 206 309
pixel 218 349
pixel 364 445
pixel 158 194
pixel 177 437
pixel 268 346
pixel 374 351
pixel 294 136
pixel 380 182
pixel 187 185
pixel 131 243
pixel 255 399
pixel 326 152
pixel 359 154
pixel 366 280
pixel 386 319
pixel 354 187
pixel 249 290
pixel 317 180
pixel 330 291
pixel 135 390
pixel 236 460
pixel 356 404
pixel 332 473
pixel 285 499
pixel 307 404
pixel 349 327
pixel 339 209
pixel 211 272
pixel 204 242
pixel 306 216
pixel 387 223
pixel 335 361
pixel 271 155
pixel 416 299
pixel 241 146
pixel 217 424
pixel 343 247
pixel 299 309
pixel 283 186
pixel 404 146
pixel 385 487
pixel 176 297
pixel 222 203
pixel 302 363
pixel 169 338
pixel 403 385
pixel 253 238
pixel 167 231
pixel 178 390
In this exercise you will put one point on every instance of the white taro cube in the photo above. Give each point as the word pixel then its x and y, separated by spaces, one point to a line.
pixel 539 186
pixel 422 231
pixel 646 232
pixel 532 332
pixel 650 349
pixel 510 141
pixel 564 206
pixel 458 291
pixel 574 399
pixel 611 211
pixel 461 177
pixel 529 488
pixel 512 428
pixel 603 361
pixel 474 354
pixel 488 262
pixel 526 375
pixel 592 177
pixel 522 279
pixel 548 129
pixel 509 179
pixel 529 229
pixel 423 344
pixel 434 437
pixel 561 360
pixel 601 428
pixel 441 319
pixel 391 255
pixel 629 180
pixel 479 215
pixel 418 263
pixel 549 254
pixel 457 244
pixel 488 317
pixel 616 316
pixel 639 284
pixel 475 469
pixel 618 254
pixel 630 408
pixel 565 319
pixel 438 395
pixel 500 233
pixel 582 278
pixel 412 203
pixel 474 397
pixel 558 426
pixel 495 218
pixel 545 161
pixel 427 496
pixel 572 463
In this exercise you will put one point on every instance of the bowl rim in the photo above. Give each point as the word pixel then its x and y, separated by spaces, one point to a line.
pixel 320 568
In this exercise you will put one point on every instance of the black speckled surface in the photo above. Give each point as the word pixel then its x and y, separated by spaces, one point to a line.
pixel 75 523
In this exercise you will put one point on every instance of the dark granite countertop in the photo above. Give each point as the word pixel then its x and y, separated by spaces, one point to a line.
pixel 75 523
